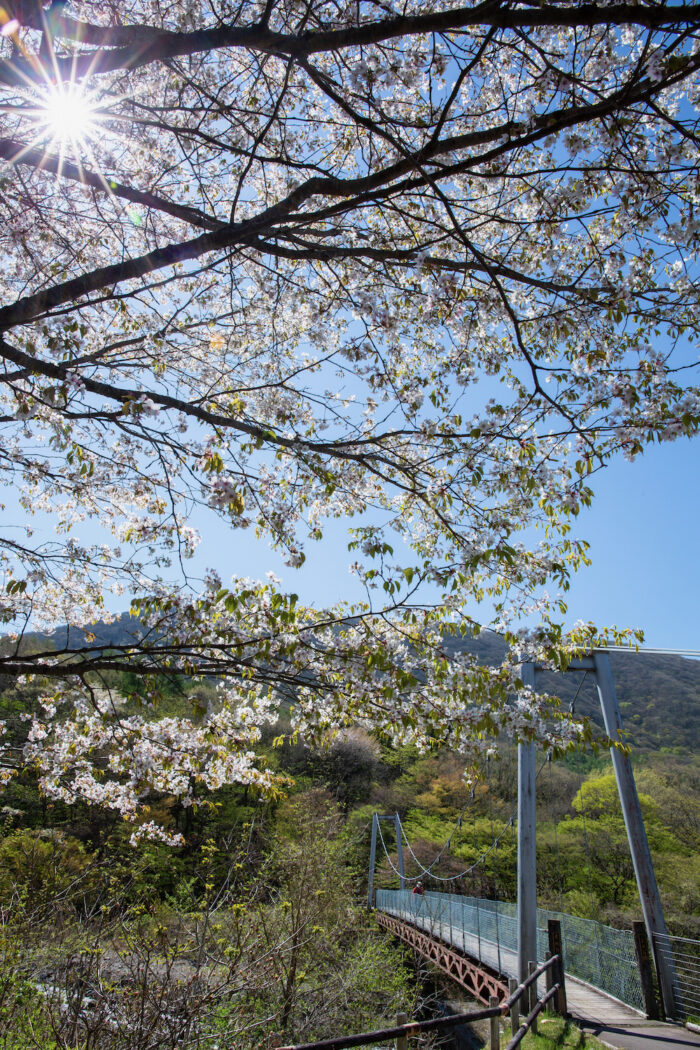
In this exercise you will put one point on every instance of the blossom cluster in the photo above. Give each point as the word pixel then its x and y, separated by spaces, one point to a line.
pixel 397 271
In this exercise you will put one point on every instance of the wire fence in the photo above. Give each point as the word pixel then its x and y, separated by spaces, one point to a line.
pixel 682 957
pixel 602 956
pixel 599 954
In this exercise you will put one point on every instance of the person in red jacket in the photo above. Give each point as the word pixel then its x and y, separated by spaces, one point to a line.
pixel 418 888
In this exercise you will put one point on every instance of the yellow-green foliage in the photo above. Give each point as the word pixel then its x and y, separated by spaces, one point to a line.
pixel 24 1024
pixel 38 865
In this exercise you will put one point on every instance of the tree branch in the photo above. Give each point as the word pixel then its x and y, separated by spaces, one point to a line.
pixel 16 152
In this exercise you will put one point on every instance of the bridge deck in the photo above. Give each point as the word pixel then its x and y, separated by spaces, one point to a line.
pixel 584 1001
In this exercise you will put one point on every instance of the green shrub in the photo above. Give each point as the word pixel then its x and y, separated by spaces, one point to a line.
pixel 36 866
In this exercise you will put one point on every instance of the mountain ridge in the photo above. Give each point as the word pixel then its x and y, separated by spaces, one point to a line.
pixel 659 695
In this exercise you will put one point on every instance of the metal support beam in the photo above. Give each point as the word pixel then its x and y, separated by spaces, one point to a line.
pixel 632 813
pixel 399 850
pixel 646 973
pixel 479 980
pixel 372 861
pixel 527 877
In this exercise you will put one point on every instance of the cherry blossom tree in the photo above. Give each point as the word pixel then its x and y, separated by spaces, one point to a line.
pixel 418 266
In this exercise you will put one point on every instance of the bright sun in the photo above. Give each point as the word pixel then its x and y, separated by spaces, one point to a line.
pixel 68 115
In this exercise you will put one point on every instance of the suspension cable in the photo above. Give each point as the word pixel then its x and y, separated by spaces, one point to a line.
pixel 406 878
pixel 449 878
pixel 572 705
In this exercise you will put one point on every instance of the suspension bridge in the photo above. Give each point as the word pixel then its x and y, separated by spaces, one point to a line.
pixel 615 979
pixel 517 958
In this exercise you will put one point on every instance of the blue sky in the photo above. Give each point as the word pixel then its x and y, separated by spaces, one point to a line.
pixel 643 526
pixel 644 530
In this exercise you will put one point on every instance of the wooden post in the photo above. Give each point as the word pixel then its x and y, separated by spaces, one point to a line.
pixel 527 879
pixel 515 1008
pixel 495 1029
pixel 401 1040
pixel 548 974
pixel 531 967
pixel 641 947
pixel 636 835
pixel 556 947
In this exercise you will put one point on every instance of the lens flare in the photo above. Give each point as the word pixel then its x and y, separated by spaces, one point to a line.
pixel 68 114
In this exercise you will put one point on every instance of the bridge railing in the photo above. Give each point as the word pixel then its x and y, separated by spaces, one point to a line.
pixel 595 953
pixel 598 954
pixel 684 956
pixel 523 993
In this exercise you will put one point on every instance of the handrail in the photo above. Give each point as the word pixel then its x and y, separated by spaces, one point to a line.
pixel 383 1035
pixel 542 968
pixel 527 1023
pixel 607 958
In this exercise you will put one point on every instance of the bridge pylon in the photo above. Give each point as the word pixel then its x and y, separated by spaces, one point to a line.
pixel 598 663
pixel 649 896
pixel 527 847
pixel 396 821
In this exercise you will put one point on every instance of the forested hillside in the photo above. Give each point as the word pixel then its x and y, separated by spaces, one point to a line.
pixel 659 696
pixel 236 890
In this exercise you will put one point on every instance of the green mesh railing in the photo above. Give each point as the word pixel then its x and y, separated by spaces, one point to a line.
pixel 602 956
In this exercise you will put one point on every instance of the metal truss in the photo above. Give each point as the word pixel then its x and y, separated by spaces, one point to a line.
pixel 474 977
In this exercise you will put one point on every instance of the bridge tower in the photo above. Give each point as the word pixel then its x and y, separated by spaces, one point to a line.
pixel 599 664
pixel 636 833
pixel 396 821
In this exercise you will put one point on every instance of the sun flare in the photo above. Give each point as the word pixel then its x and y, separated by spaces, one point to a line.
pixel 68 114
pixel 66 122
